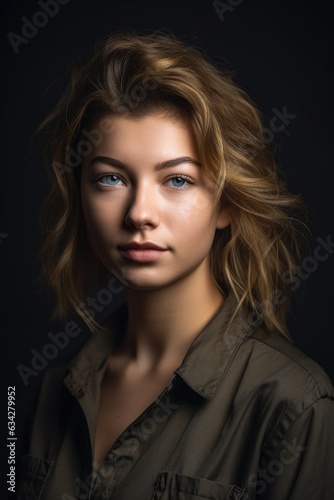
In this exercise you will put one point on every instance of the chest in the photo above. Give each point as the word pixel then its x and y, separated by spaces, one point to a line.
pixel 121 403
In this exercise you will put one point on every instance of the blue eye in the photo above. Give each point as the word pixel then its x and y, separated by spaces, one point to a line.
pixel 178 181
pixel 110 180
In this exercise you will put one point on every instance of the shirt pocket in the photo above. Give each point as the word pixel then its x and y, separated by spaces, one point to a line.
pixel 173 486
pixel 33 475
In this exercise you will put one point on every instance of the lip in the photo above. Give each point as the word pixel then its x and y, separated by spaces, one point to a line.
pixel 145 245
pixel 142 252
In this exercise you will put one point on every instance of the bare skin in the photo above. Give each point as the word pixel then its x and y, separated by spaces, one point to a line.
pixel 170 298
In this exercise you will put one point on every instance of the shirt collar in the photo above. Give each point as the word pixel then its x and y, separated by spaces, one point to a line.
pixel 204 366
pixel 214 348
pixel 84 368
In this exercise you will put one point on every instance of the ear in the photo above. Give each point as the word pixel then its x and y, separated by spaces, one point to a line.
pixel 224 215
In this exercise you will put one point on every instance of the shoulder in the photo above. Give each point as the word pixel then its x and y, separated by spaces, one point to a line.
pixel 294 400
pixel 289 372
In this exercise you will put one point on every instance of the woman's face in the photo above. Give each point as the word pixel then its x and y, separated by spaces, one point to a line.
pixel 142 187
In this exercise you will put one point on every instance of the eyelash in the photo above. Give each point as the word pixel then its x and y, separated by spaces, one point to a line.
pixel 97 178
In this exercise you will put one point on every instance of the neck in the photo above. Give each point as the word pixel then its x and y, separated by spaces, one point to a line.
pixel 162 323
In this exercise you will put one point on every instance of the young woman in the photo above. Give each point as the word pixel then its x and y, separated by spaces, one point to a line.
pixel 192 389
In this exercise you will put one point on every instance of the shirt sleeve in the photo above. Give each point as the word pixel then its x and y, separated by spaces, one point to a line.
pixel 302 466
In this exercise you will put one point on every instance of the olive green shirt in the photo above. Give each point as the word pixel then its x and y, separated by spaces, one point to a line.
pixel 246 415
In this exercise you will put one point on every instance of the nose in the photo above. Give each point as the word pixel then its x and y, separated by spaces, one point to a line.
pixel 143 210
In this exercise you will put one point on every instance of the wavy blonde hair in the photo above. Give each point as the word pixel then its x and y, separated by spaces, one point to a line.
pixel 255 258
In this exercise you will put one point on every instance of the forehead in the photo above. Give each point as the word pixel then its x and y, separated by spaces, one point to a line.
pixel 154 133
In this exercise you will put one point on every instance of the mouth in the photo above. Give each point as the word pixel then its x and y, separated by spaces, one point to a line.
pixel 142 252
pixel 146 245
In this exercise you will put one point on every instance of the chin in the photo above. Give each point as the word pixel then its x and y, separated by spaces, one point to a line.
pixel 144 284
pixel 144 279
pixel 156 281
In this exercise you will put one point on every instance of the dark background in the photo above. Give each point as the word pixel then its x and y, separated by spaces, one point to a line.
pixel 281 53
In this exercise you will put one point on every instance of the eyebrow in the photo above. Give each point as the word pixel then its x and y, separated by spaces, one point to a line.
pixel 159 166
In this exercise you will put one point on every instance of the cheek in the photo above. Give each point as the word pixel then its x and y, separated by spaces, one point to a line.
pixel 99 219
pixel 199 206
pixel 199 212
pixel 195 225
